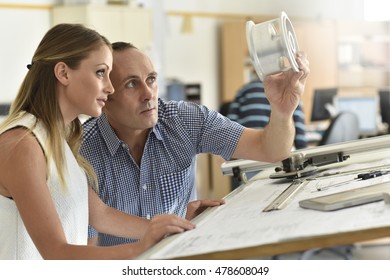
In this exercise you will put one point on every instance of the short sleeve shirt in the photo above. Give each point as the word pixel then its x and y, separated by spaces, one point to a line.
pixel 165 180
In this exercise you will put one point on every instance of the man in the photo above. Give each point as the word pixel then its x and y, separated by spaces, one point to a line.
pixel 143 149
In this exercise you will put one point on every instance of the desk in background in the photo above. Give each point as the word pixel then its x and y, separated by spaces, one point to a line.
pixel 315 131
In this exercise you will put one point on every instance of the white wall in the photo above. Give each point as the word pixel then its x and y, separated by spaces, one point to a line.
pixel 20 33
pixel 189 57
pixel 297 8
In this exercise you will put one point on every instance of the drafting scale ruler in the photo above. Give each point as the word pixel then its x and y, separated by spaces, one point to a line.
pixel 281 201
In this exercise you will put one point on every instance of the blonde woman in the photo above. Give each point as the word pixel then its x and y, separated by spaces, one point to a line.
pixel 46 203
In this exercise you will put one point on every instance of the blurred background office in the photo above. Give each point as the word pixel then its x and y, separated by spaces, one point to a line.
pixel 199 46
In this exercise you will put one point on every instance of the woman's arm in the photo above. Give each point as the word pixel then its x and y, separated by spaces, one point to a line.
pixel 23 178
pixel 109 220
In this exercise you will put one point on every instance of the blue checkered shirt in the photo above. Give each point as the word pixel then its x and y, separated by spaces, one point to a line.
pixel 165 181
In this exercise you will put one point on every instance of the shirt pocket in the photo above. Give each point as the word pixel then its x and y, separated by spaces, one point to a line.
pixel 176 191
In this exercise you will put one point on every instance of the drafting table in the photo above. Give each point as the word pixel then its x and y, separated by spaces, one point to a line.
pixel 241 230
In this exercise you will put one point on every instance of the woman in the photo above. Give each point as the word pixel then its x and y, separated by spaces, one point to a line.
pixel 45 202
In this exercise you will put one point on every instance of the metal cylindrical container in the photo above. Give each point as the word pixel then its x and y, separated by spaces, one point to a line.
pixel 272 46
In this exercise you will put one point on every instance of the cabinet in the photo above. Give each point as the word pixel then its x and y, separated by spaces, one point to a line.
pixel 234 54
pixel 116 22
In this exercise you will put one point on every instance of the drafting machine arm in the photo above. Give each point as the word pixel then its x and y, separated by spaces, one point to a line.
pixel 305 161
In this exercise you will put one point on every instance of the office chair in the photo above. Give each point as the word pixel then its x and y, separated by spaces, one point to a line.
pixel 343 127
pixel 224 108
pixel 4 108
pixel 384 103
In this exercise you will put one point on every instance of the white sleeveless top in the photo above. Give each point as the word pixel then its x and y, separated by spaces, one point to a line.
pixel 71 204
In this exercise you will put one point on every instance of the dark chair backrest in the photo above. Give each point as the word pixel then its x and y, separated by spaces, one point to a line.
pixel 224 108
pixel 384 102
pixel 4 108
pixel 343 127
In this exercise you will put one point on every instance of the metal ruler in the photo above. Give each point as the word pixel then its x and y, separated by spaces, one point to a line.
pixel 282 200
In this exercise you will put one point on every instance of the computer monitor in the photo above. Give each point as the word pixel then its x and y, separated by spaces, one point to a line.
pixel 384 105
pixel 366 109
pixel 320 99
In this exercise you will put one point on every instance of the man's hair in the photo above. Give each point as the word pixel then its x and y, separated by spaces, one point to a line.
pixel 121 46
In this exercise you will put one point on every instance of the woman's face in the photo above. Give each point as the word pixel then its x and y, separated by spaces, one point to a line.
pixel 88 86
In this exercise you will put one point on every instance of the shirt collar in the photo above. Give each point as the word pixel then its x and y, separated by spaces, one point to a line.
pixel 157 128
pixel 111 139
pixel 108 134
pixel 156 131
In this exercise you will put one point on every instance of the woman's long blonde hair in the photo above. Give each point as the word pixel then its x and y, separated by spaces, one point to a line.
pixel 68 43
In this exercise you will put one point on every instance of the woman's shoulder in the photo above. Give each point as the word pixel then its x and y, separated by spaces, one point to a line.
pixel 21 140
pixel 20 136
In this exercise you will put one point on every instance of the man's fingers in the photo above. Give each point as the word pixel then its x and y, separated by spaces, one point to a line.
pixel 207 203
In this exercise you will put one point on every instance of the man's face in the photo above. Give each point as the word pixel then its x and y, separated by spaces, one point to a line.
pixel 134 104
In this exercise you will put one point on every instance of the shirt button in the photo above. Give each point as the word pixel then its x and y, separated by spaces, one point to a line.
pixel 148 216
pixel 144 187
pixel 124 145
